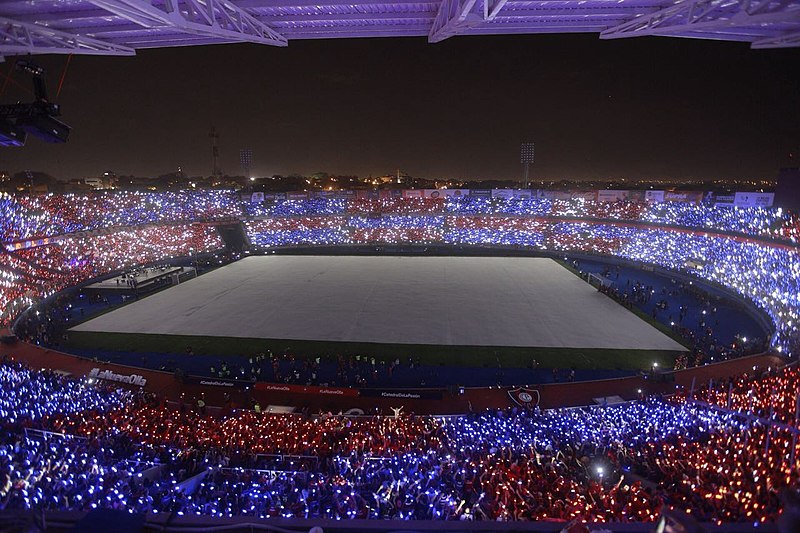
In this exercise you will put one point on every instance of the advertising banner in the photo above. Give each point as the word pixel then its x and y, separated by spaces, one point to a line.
pixel 391 193
pixel 654 197
pixel 403 394
pixel 511 193
pixel 584 195
pixel 297 195
pixel 413 193
pixel 445 193
pixel 557 195
pixel 547 195
pixel 343 195
pixel 109 375
pixel 502 193
pixel 232 384
pixel 689 197
pixel 257 197
pixel 725 200
pixel 305 389
pixel 611 196
pixel 483 193
pixel 368 194
pixel 636 196
pixel 754 199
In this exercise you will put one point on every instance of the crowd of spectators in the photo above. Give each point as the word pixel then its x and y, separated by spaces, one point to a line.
pixel 767 275
pixel 758 221
pixel 32 216
pixel 754 221
pixel 771 394
pixel 766 272
pixel 32 273
pixel 69 444
pixel 322 370
pixel 723 453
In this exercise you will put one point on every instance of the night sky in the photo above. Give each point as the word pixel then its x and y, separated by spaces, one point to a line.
pixel 636 108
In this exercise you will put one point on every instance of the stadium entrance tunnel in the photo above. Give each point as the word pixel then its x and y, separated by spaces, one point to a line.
pixel 234 236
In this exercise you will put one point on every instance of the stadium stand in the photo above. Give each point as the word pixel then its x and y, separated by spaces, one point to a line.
pixel 71 445
pixel 668 234
pixel 724 452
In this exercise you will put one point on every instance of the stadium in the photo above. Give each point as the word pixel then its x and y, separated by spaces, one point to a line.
pixel 434 323
pixel 611 346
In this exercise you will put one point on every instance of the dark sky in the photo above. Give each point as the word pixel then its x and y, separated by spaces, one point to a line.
pixel 644 107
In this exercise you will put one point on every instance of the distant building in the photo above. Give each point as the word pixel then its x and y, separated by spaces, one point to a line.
pixel 108 180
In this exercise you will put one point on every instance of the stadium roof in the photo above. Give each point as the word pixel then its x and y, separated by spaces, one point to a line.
pixel 119 27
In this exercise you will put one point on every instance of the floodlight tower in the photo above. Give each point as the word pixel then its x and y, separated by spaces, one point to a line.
pixel 526 158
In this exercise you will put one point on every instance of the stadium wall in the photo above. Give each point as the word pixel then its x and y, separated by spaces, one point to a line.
pixel 421 401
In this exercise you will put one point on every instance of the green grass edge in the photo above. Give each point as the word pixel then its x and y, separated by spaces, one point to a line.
pixel 475 356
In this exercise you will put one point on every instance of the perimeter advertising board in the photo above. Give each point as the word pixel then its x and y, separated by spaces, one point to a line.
pixel 611 196
pixel 654 197
pixel 403 394
pixel 368 194
pixel 232 384
pixel 636 196
pixel 305 389
pixel 391 193
pixel 584 195
pixel 724 200
pixel 754 199
pixel 344 195
pixel 445 193
pixel 502 193
pixel 413 193
pixel 556 195
pixel 482 193
pixel 689 197
pixel 109 375
pixel 511 193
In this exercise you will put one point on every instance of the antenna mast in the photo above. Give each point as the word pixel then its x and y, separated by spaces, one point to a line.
pixel 214 152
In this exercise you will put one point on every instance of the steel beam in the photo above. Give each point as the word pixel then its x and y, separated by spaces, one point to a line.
pixel 457 16
pixel 692 18
pixel 220 19
pixel 321 4
pixel 384 16
pixel 357 32
pixel 18 38
pixel 787 40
